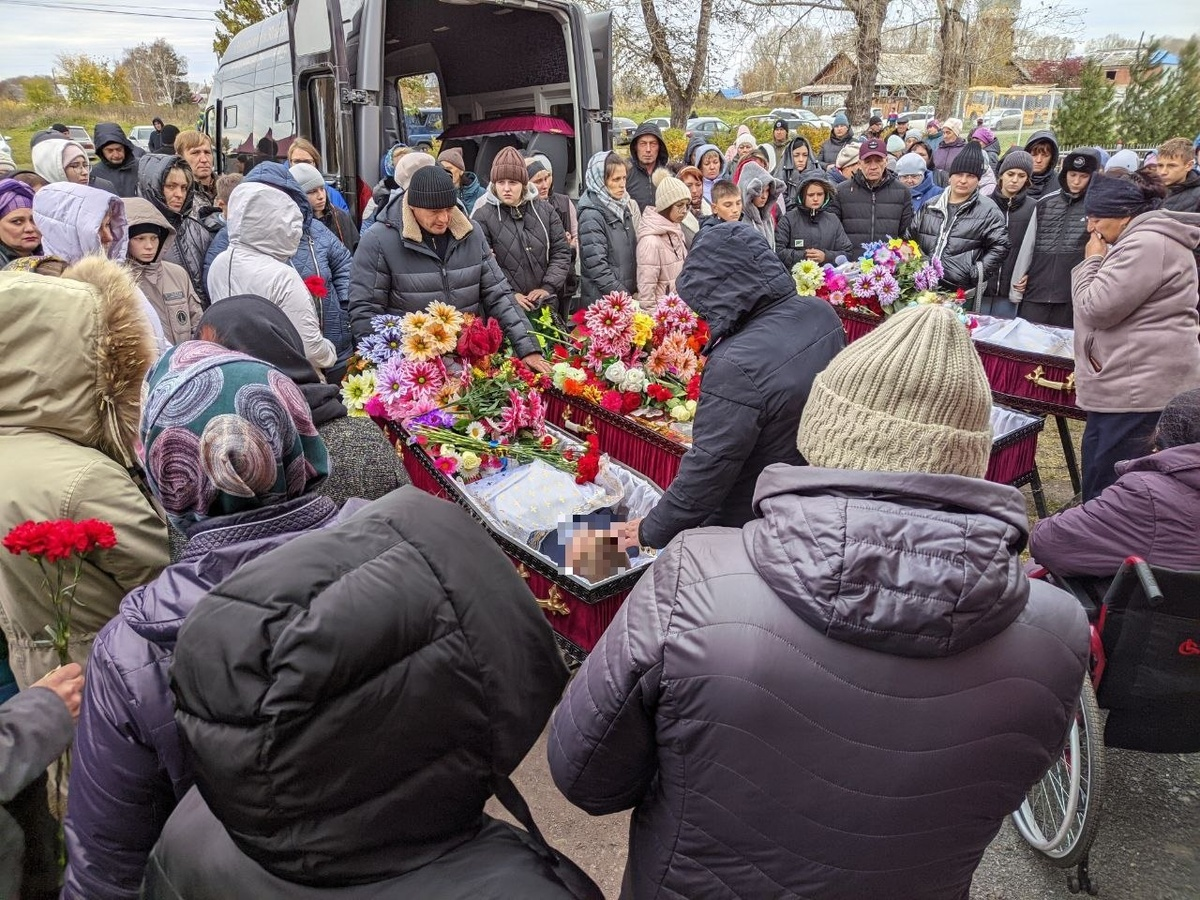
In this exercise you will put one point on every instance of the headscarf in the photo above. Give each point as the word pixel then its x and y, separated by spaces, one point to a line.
pixel 224 433
pixel 14 195
pixel 257 327
pixel 594 182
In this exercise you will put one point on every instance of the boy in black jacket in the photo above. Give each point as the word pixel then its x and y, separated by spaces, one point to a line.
pixel 809 229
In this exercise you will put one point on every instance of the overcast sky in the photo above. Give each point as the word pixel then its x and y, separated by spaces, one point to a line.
pixel 35 35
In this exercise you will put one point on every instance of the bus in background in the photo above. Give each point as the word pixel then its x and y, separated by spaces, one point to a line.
pixel 535 74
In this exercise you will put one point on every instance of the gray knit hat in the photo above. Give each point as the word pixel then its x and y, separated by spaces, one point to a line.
pixel 1016 158
pixel 911 396
pixel 307 177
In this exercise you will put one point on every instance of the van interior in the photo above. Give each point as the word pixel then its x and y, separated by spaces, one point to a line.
pixel 491 62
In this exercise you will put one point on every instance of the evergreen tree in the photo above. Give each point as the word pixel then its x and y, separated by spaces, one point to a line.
pixel 234 15
pixel 1144 109
pixel 1086 116
pixel 1181 113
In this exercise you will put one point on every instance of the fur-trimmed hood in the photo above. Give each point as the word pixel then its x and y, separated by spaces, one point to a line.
pixel 80 347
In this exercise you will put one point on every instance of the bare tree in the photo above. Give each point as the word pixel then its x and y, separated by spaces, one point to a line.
pixel 784 57
pixel 157 74
pixel 952 42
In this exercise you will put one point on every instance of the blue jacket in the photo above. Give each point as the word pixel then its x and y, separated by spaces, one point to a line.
pixel 470 191
pixel 320 253
pixel 927 190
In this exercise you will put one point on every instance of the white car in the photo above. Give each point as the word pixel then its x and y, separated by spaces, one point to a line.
pixel 4 146
pixel 139 136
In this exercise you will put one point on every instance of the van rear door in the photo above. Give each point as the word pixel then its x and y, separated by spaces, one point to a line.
pixel 324 96
pixel 600 31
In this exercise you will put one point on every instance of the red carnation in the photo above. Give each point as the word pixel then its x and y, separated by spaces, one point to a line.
pixel 587 470
pixel 611 400
pixel 630 400
pixel 659 393
pixel 316 286
pixel 693 388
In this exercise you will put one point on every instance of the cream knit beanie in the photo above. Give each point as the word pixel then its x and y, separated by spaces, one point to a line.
pixel 911 396
pixel 669 190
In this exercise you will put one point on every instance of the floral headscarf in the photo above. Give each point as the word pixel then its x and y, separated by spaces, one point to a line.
pixel 224 433
pixel 593 180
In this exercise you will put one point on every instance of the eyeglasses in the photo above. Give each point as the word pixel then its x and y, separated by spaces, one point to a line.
pixel 79 165
pixel 913 178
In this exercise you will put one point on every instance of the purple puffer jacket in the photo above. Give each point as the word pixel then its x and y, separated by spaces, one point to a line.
pixel 1153 511
pixel 128 768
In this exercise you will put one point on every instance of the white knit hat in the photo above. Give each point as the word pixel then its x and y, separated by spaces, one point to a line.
pixel 669 190
pixel 911 396
pixel 955 125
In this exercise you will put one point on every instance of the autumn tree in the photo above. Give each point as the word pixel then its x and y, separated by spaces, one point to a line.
pixel 234 15
pixel 91 81
pixel 1085 118
pixel 157 74
pixel 1061 72
pixel 40 92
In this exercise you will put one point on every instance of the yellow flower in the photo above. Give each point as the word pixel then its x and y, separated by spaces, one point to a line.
pixel 593 393
pixel 866 265
pixel 643 328
pixel 894 244
pixel 446 314
pixel 449 393
pixel 414 322
pixel 356 391
pixel 476 431
pixel 469 461
pixel 417 346
pixel 927 297
pixel 440 336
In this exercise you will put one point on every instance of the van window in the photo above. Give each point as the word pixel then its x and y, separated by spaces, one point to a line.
pixel 231 117
pixel 283 108
pixel 321 91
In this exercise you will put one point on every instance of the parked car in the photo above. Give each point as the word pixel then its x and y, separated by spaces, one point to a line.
pixel 4 145
pixel 798 116
pixel 423 127
pixel 622 131
pixel 139 136
pixel 1003 119
pixel 662 122
pixel 710 127
pixel 80 135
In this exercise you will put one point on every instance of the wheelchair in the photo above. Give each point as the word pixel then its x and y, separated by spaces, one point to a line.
pixel 1144 670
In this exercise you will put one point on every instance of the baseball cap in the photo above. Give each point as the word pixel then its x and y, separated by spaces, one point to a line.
pixel 872 148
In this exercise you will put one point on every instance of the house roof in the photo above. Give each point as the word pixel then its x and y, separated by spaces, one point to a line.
pixel 895 69
pixel 1125 56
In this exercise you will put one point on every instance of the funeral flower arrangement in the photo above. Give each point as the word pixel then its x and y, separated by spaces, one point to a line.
pixel 627 360
pixel 888 277
pixel 443 377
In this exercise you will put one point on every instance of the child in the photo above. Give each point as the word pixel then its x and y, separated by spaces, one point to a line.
pixel 727 201
pixel 809 229
pixel 166 285
pixel 225 186
pixel 760 195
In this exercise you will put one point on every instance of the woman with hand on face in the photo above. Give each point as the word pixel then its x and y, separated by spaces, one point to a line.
pixel 19 235
pixel 1137 342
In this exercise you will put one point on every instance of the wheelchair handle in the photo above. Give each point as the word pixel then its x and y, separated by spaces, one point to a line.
pixel 1154 593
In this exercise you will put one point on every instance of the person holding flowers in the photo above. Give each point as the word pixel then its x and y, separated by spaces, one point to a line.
pixel 810 229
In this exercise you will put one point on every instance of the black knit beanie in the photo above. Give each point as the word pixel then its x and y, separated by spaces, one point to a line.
pixel 969 161
pixel 431 188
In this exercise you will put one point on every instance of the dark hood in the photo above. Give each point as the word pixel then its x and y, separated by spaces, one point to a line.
pixel 730 273
pixel 152 173
pixel 111 133
pixel 277 176
pixel 1181 463
pixel 1044 135
pixel 911 564
pixel 649 128
pixel 257 327
pixel 790 166
pixel 403 639
pixel 811 176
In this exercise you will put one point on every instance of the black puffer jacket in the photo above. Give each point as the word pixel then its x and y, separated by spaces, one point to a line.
pixel 1185 196
pixel 801 229
pixel 528 240
pixel 975 234
pixel 607 250
pixel 1044 183
pixel 639 184
pixel 873 213
pixel 767 346
pixel 844 699
pixel 351 700
pixel 395 271
pixel 125 176
pixel 194 227
pixel 1017 212
pixel 1054 242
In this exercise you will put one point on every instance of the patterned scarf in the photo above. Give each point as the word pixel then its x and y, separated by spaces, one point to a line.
pixel 594 181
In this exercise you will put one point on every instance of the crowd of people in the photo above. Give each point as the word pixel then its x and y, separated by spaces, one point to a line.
pixel 293 676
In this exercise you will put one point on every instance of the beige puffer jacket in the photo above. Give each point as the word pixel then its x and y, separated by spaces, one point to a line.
pixel 166 285
pixel 77 350
pixel 660 255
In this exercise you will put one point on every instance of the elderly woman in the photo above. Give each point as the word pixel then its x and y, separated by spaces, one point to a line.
pixel 19 235
pixel 1136 337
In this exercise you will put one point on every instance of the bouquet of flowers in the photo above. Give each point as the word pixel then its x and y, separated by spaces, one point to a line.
pixel 627 360
pixel 442 376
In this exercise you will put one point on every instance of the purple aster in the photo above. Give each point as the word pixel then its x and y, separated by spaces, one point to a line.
pixel 437 418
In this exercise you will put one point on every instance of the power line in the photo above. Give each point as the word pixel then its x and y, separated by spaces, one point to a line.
pixel 104 10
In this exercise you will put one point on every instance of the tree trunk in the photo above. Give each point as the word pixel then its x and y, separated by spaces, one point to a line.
pixel 682 96
pixel 952 67
pixel 868 18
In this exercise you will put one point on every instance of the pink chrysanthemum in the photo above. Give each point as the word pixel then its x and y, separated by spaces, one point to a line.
pixel 421 378
pixel 610 317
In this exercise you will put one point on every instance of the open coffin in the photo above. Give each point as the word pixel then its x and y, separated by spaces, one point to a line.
pixel 1029 366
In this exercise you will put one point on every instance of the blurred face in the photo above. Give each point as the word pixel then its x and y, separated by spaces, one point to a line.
pixel 1042 154
pixel 839 131
pixel 678 211
pixel 646 149
pixel 780 135
pixel 318 199
pixel 922 150
pixel 728 209
pixel 849 170
pixel 77 171
pixel 744 150
pixel 695 185
pixel 949 135
pixel 298 155
pixel 18 233
pixel 1109 229
pixel 201 160
pixel 1077 182
pixel 433 221
pixel 104 233
pixel 814 196
pixel 710 166
pixel 800 156
pixel 873 168
pixel 615 183
pixel 1172 170
pixel 143 248
pixel 175 190
pixel 114 153
pixel 510 192
pixel 902 128
pixel 761 200
pixel 1013 182
pixel 543 181
pixel 962 185
pixel 455 172
pixel 911 181
pixel 876 129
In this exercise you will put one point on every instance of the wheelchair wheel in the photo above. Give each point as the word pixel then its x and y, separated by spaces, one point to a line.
pixel 1061 812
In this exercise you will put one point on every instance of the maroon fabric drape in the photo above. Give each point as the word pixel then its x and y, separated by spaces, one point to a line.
pixel 1008 376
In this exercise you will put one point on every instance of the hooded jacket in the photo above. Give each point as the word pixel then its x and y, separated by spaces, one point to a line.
pixel 69 217
pixel 753 181
pixel 1136 338
pixel 265 228
pixel 1153 511
pixel 192 236
pixel 607 249
pixel 470 190
pixel 873 213
pixel 640 185
pixel 77 349
pixel 1045 182
pixel 927 190
pixel 47 158
pixel 1017 212
pixel 792 176
pixel 125 176
pixel 697 153
pixel 832 147
pixel 396 271
pixel 661 250
pixel 1185 196
pixel 166 285
pixel 767 345
pixel 528 240
pixel 845 698
pixel 399 652
pixel 975 233
pixel 1054 242
pixel 129 768
pixel 801 229
pixel 319 253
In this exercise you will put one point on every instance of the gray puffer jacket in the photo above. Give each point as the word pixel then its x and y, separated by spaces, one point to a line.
pixel 528 240
pixel 842 700
pixel 395 271
pixel 607 249
pixel 974 233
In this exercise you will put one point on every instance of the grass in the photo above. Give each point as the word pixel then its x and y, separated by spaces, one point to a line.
pixel 18 123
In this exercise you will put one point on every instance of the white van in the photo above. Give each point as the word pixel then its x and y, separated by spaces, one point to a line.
pixel 535 74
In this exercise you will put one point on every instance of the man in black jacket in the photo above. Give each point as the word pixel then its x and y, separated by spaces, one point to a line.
pixel 767 346
pixel 421 249
pixel 873 205
pixel 118 160
pixel 649 152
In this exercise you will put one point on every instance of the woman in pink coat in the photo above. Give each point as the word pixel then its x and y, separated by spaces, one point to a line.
pixel 661 249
